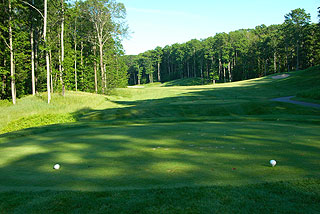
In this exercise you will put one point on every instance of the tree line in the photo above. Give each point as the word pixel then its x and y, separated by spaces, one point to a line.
pixel 54 45
pixel 234 56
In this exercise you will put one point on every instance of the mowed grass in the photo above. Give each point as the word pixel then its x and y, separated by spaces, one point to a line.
pixel 180 149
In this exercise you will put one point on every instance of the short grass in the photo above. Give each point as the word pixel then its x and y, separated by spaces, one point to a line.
pixel 179 149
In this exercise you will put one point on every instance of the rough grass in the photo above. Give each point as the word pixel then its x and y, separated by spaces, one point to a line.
pixel 313 93
pixel 33 111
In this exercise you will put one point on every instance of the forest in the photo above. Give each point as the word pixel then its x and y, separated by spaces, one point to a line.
pixel 53 46
pixel 234 56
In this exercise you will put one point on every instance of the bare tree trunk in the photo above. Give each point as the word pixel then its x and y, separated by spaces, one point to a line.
pixel 12 68
pixel 102 67
pixel 47 55
pixel 50 58
pixel 95 69
pixel 194 63
pixel 229 70
pixel 81 62
pixel 4 79
pixel 134 79
pixel 287 59
pixel 159 78
pixel 4 84
pixel 265 67
pixel 207 71
pixel 224 74
pixel 51 82
pixel 75 55
pixel 105 75
pixel 81 54
pixel 220 67
pixel 62 48
pixel 32 59
pixel 36 58
pixel 297 68
pixel 275 62
pixel 168 66
pixel 201 70
pixel 139 76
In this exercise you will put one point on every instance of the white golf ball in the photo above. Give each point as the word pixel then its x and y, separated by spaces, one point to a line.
pixel 273 163
pixel 56 166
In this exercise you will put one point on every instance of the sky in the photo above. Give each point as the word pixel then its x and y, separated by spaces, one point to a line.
pixel 165 22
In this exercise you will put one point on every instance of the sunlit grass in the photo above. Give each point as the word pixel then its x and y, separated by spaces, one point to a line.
pixel 160 155
pixel 179 149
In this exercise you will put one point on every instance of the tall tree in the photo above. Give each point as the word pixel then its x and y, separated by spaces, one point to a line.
pixel 107 16
pixel 296 22
pixel 12 68
pixel 62 48
pixel 47 52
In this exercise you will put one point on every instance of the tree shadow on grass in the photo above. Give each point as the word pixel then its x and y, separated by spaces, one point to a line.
pixel 279 197
pixel 98 157
pixel 190 140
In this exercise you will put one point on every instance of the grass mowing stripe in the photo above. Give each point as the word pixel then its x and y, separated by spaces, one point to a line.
pixel 301 196
pixel 140 156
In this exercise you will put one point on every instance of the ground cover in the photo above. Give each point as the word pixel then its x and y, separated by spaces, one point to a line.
pixel 181 149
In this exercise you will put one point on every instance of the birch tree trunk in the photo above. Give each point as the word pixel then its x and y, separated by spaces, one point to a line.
pixel 12 71
pixel 51 82
pixel 95 69
pixel 32 57
pixel 47 54
pixel 102 66
pixel 62 49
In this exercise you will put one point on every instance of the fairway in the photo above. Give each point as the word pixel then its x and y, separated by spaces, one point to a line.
pixel 98 158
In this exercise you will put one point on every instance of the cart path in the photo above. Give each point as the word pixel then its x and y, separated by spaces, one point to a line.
pixel 288 100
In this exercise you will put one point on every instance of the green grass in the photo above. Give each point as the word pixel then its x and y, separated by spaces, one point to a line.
pixel 180 149
pixel 313 93
pixel 186 82
pixel 33 111
pixel 279 197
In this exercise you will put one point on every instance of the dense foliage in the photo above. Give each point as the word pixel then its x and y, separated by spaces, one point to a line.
pixel 238 55
pixel 78 60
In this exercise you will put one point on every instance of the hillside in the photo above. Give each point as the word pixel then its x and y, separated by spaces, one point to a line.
pixel 160 103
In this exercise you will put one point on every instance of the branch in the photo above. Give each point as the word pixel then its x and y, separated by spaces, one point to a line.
pixel 34 8
pixel 6 42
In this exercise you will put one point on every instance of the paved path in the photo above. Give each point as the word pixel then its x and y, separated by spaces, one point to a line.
pixel 288 100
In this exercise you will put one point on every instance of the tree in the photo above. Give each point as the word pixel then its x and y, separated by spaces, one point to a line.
pixel 47 52
pixel 295 23
pixel 158 57
pixel 62 47
pixel 12 70
pixel 107 16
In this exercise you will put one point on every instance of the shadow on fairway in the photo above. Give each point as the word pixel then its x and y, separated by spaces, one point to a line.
pixel 95 157
pixel 206 136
